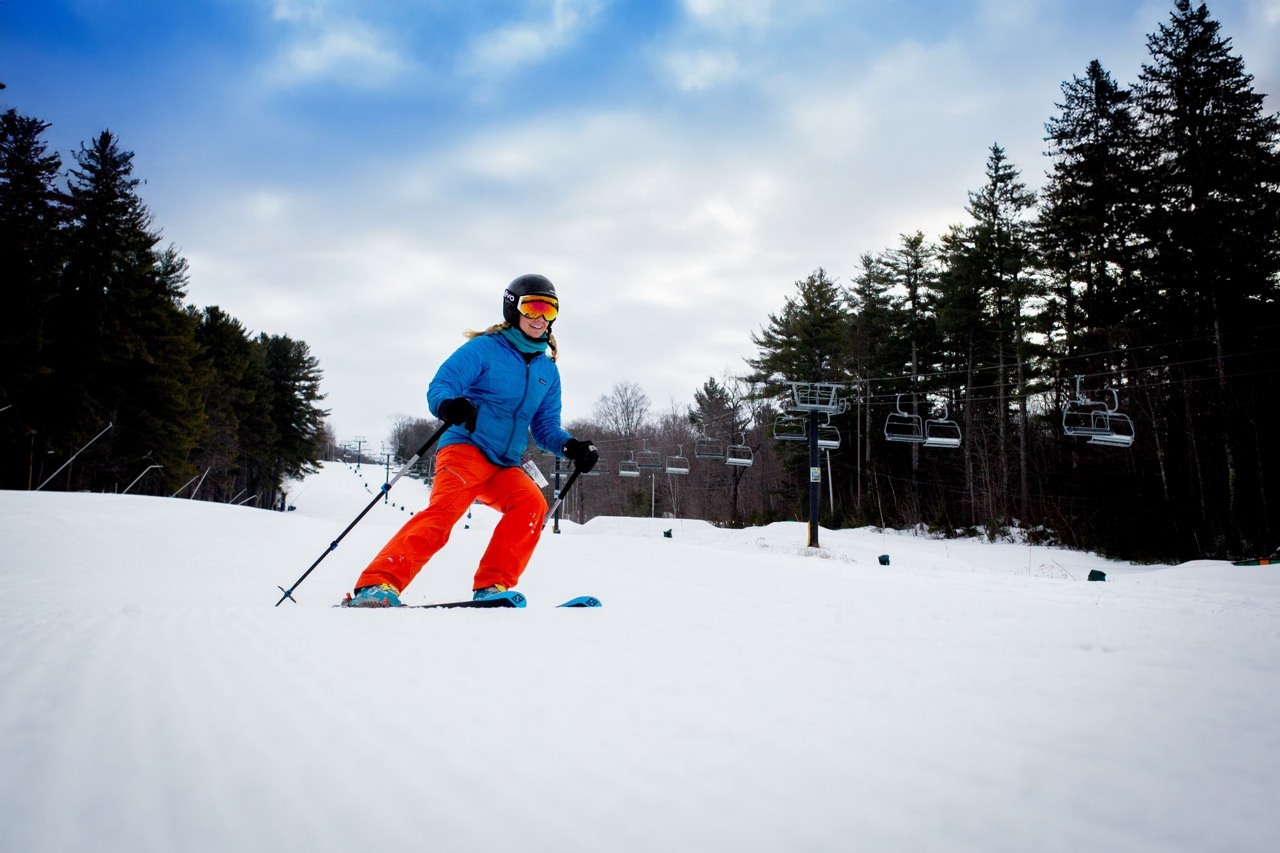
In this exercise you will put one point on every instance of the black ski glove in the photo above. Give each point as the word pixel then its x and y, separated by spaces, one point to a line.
pixel 459 410
pixel 583 454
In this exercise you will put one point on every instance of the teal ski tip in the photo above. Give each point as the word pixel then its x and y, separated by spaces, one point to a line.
pixel 510 598
pixel 582 601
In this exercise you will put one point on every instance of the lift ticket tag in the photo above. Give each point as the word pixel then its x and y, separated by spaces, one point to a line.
pixel 531 468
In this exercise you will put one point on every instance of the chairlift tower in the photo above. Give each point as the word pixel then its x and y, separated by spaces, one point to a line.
pixel 815 398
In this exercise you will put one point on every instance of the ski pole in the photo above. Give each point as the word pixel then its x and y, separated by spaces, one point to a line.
pixel 386 487
pixel 551 511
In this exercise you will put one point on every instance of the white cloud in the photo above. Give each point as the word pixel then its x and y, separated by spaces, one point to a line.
pixel 1009 16
pixel 352 54
pixel 737 41
pixel 298 11
pixel 509 48
pixel 326 44
pixel 730 14
pixel 700 70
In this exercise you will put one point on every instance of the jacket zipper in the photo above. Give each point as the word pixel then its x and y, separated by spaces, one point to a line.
pixel 519 406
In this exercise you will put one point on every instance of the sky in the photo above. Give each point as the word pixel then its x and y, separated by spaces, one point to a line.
pixel 367 177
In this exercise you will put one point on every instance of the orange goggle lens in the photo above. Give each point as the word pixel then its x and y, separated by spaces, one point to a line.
pixel 539 306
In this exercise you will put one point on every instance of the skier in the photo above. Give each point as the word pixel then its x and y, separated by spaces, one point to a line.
pixel 492 392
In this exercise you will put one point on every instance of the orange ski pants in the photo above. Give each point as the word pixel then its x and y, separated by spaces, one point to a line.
pixel 463 476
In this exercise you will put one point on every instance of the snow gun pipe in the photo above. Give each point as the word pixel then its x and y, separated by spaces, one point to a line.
pixel 386 487
pixel 551 511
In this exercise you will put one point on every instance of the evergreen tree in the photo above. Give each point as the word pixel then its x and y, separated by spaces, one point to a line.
pixel 717 413
pixel 294 376
pixel 911 270
pixel 987 289
pixel 1090 241
pixel 808 341
pixel 911 365
pixel 875 341
pixel 877 348
pixel 259 435
pixel 1088 225
pixel 123 344
pixel 29 260
pixel 225 356
pixel 1213 233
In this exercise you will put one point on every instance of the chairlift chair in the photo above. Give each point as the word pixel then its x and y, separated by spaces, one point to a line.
pixel 787 427
pixel 1085 417
pixel 1096 420
pixel 1113 440
pixel 903 426
pixel 739 454
pixel 1120 431
pixel 649 460
pixel 828 436
pixel 678 464
pixel 941 432
pixel 628 467
pixel 708 448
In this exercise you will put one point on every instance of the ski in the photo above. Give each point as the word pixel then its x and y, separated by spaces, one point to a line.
pixel 510 598
pixel 506 600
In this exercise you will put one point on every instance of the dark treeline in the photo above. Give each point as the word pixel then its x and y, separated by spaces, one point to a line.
pixel 1145 275
pixel 1139 287
pixel 99 357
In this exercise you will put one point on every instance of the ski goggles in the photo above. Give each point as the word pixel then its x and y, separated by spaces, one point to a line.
pixel 545 307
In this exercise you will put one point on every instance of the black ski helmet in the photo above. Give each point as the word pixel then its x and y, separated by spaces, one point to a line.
pixel 530 284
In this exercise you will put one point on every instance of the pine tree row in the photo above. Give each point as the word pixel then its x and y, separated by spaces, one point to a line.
pixel 101 361
pixel 1147 272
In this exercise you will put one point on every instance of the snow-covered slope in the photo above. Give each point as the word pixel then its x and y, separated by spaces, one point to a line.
pixel 737 691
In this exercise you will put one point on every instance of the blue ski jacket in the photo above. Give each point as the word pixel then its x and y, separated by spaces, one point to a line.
pixel 513 397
